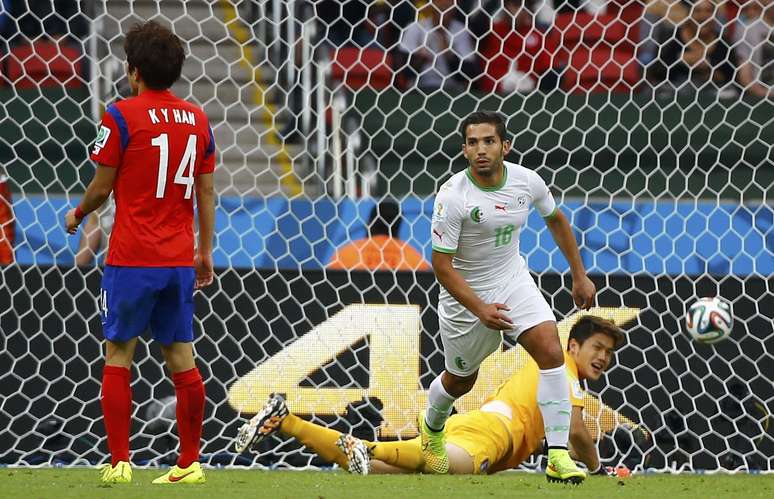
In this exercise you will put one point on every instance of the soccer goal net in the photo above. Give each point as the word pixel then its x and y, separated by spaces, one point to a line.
pixel 645 119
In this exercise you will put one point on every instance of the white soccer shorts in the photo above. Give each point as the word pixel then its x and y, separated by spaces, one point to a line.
pixel 467 342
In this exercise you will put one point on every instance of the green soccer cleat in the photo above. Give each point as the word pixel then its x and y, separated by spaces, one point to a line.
pixel 561 468
pixel 433 448
pixel 190 475
pixel 120 473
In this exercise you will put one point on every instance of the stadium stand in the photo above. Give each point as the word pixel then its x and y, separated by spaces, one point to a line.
pixel 44 63
pixel 595 52
pixel 362 67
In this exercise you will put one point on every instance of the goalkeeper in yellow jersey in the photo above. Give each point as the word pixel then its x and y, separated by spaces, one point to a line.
pixel 500 435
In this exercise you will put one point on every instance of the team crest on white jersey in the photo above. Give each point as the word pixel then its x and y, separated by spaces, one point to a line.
pixel 521 202
pixel 476 214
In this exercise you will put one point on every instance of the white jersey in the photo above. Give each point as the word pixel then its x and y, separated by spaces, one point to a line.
pixel 481 226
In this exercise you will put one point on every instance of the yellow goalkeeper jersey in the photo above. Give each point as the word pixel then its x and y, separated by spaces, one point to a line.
pixel 519 392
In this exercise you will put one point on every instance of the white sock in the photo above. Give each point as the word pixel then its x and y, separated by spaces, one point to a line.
pixel 553 398
pixel 439 405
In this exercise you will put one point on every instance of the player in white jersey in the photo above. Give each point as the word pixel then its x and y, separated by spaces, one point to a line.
pixel 487 290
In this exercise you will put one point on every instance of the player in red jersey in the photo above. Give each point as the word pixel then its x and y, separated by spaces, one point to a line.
pixel 154 151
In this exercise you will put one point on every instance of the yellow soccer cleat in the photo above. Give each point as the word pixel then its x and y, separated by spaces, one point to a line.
pixel 561 468
pixel 120 473
pixel 433 448
pixel 190 475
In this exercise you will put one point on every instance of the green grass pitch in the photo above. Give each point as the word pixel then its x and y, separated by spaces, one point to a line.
pixel 64 483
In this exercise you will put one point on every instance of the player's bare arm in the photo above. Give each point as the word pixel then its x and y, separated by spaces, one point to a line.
pixel 205 204
pixel 490 314
pixel 581 444
pixel 90 241
pixel 97 192
pixel 583 289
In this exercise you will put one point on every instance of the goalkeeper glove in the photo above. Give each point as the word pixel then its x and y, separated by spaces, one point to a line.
pixel 619 471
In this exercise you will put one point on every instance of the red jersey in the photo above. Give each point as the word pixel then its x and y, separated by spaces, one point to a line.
pixel 158 143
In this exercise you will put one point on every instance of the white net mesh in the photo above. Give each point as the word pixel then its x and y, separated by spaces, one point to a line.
pixel 649 122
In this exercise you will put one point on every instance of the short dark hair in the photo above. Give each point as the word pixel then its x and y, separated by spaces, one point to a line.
pixel 385 219
pixel 156 53
pixel 478 117
pixel 589 325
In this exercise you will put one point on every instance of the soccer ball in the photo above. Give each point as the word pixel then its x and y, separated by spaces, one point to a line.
pixel 709 320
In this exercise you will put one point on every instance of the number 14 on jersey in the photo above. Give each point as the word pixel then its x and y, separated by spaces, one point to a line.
pixel 185 170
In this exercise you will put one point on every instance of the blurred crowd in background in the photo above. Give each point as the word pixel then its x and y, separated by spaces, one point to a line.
pixel 506 46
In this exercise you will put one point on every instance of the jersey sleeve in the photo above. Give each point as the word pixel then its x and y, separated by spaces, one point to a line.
pixel 462 44
pixel 112 138
pixel 541 196
pixel 577 394
pixel 412 38
pixel 743 47
pixel 208 160
pixel 447 221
